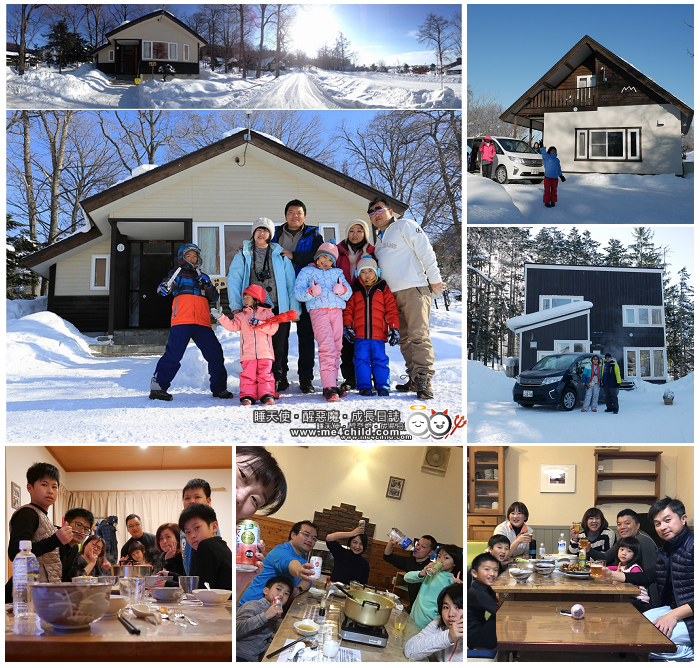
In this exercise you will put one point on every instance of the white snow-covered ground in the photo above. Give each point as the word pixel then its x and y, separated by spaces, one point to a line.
pixel 493 416
pixel 58 393
pixel 88 88
pixel 584 199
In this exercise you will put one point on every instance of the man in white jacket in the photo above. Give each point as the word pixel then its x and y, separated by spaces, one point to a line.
pixel 409 267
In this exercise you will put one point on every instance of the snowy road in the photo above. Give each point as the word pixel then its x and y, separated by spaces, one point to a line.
pixel 293 91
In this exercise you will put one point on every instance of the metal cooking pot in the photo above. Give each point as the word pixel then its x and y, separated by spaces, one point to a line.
pixel 132 570
pixel 368 608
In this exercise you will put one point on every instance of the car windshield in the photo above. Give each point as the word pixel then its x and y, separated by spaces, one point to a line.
pixel 515 146
pixel 554 363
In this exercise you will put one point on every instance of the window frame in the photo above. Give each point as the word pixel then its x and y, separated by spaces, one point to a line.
pixel 110 55
pixel 638 350
pixel 573 298
pixel 336 229
pixel 639 307
pixel 186 52
pixel 222 240
pixel 151 55
pixel 570 342
pixel 627 133
pixel 93 260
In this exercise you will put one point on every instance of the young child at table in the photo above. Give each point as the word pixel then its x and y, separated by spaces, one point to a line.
pixel 629 560
pixel 443 638
pixel 424 608
pixel 211 560
pixel 482 603
pixel 258 621
pixel 499 547
pixel 32 522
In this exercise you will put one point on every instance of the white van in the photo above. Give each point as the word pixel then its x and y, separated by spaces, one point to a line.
pixel 515 160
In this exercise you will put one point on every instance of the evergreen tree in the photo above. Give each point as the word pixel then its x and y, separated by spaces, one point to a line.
pixel 67 47
pixel 643 252
pixel 20 281
pixel 547 247
pixel 616 254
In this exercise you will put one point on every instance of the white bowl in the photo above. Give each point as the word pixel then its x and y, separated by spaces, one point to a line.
pixel 544 569
pixel 212 596
pixel 66 605
pixel 167 594
pixel 308 623
pixel 314 592
pixel 116 603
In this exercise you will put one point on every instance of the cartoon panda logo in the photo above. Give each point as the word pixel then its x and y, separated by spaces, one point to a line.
pixel 439 424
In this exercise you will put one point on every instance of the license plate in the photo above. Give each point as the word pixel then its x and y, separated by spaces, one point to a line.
pixel 527 393
pixel 535 171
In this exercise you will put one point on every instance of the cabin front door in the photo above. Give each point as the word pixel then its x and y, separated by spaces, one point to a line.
pixel 127 61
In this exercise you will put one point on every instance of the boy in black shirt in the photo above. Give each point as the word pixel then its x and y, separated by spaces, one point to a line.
pixel 481 599
pixel 211 560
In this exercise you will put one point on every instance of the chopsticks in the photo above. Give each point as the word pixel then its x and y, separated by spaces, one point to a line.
pixel 277 651
pixel 128 625
pixel 74 531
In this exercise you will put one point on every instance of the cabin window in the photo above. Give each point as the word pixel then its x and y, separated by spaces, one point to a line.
pixel 552 301
pixel 159 51
pixel 570 347
pixel 645 363
pixel 99 272
pixel 643 316
pixel 219 243
pixel 330 231
pixel 608 144
pixel 185 51
pixel 110 55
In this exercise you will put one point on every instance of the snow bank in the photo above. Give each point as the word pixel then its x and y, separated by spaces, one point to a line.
pixel 488 202
pixel 142 169
pixel 628 181
pixel 528 319
pixel 18 308
pixel 487 384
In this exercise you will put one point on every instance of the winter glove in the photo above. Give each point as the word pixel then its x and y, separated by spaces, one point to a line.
pixel 561 176
pixel 586 385
pixel 164 289
pixel 253 322
pixel 393 336
pixel 618 386
pixel 339 288
pixel 349 333
pixel 315 289
pixel 216 313
pixel 204 281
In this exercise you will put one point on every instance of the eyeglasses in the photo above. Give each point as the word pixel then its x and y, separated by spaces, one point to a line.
pixel 308 535
pixel 374 212
pixel 80 525
pixel 133 526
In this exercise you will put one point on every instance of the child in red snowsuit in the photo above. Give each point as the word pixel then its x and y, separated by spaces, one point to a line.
pixel 257 354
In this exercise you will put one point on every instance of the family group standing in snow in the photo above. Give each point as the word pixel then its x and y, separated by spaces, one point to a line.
pixel 351 298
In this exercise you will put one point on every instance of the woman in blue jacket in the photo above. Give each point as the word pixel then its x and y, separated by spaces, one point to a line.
pixel 262 263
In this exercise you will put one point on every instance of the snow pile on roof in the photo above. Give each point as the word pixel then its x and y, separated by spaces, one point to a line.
pixel 142 169
pixel 521 321
pixel 489 202
pixel 690 156
pixel 18 308
pixel 229 133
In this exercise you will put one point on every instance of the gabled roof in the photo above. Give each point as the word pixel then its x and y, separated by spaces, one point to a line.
pixel 528 321
pixel 573 59
pixel 146 17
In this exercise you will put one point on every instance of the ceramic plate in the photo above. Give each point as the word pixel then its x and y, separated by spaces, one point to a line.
pixel 577 575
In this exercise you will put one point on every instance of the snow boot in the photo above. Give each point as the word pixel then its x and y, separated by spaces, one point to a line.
pixel 331 393
pixel 247 401
pixel 552 204
pixel 224 394
pixel 595 410
pixel 583 410
pixel 383 392
pixel 366 392
pixel 410 386
pixel 267 399
pixel 341 392
pixel 306 385
pixel 281 385
pixel 160 394
pixel 348 385
pixel 608 410
pixel 423 389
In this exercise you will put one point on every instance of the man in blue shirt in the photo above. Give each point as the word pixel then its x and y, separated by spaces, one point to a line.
pixel 290 560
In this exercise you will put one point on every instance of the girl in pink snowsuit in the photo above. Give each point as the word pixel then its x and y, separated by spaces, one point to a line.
pixel 257 354
pixel 324 289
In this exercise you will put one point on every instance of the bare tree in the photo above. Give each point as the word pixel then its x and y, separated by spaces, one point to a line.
pixel 284 16
pixel 483 116
pixel 264 18
pixel 23 21
pixel 207 21
pixel 434 32
pixel 245 23
pixel 456 33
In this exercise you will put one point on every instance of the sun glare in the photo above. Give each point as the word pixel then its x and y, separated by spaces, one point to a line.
pixel 313 27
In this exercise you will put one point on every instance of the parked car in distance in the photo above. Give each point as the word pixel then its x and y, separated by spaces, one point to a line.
pixel 556 380
pixel 515 160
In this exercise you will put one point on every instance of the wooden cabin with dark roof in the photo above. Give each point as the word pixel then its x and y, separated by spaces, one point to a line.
pixel 603 115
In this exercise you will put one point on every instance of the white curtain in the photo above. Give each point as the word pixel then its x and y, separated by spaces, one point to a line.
pixel 60 507
pixel 154 508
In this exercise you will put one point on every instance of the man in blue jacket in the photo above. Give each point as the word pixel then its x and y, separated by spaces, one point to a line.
pixel 611 383
pixel 300 243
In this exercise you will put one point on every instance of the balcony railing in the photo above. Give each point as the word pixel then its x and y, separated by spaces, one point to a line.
pixel 565 98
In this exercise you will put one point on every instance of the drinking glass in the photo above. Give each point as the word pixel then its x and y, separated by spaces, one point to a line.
pixel 577 526
pixel 188 583
pixel 597 568
pixel 583 543
pixel 133 589
pixel 331 641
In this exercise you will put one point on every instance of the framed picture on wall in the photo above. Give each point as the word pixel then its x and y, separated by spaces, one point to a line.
pixel 16 495
pixel 558 478
pixel 395 488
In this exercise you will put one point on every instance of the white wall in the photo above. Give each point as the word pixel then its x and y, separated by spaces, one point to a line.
pixel 319 477
pixel 660 141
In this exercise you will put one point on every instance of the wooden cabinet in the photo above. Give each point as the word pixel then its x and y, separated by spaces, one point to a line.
pixel 486 490
pixel 653 476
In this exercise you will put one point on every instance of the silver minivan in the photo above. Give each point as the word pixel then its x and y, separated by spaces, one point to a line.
pixel 515 160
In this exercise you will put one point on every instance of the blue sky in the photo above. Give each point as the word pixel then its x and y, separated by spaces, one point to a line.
pixel 376 31
pixel 507 56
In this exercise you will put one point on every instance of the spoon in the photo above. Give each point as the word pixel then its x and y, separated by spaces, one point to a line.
pixel 310 644
pixel 206 584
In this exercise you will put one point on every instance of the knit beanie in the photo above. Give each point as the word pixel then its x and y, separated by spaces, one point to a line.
pixel 363 224
pixel 328 249
pixel 266 224
pixel 367 262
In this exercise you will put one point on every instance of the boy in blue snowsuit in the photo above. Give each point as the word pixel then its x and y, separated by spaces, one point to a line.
pixel 190 319
pixel 552 172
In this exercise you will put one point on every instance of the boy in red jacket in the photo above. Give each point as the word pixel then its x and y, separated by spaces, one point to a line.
pixel 370 313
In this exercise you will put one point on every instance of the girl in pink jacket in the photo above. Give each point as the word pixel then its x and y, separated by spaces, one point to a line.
pixel 488 153
pixel 257 354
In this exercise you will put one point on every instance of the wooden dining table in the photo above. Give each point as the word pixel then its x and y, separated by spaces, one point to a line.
pixel 560 587
pixel 107 640
pixel 607 626
pixel 305 607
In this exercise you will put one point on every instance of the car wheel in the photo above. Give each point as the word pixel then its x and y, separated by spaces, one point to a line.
pixel 502 175
pixel 526 405
pixel 568 399
pixel 536 181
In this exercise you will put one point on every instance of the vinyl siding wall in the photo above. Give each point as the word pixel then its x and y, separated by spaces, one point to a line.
pixel 73 273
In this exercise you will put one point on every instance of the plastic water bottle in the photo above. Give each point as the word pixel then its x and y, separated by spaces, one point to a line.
pixel 403 541
pixel 25 570
pixel 561 545
pixel 542 551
